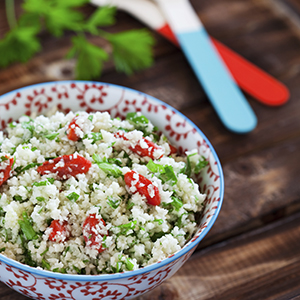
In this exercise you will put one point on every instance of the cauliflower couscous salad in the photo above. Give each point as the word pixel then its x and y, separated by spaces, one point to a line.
pixel 84 193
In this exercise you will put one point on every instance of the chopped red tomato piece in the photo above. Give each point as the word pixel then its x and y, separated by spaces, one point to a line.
pixel 94 230
pixel 5 168
pixel 60 231
pixel 65 166
pixel 144 147
pixel 143 186
pixel 173 150
pixel 72 135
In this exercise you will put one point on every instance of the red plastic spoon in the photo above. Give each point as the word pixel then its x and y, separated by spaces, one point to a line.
pixel 250 78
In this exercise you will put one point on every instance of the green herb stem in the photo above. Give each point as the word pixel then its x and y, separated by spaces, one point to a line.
pixel 11 13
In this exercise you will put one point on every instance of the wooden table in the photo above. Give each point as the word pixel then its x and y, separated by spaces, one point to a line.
pixel 253 250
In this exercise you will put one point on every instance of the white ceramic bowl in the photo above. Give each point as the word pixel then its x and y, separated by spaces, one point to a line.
pixel 97 96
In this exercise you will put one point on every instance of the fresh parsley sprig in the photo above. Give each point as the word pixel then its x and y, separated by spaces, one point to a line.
pixel 130 50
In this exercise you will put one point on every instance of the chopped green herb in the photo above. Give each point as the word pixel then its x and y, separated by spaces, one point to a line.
pixel 11 125
pixel 27 228
pixel 40 199
pixel 91 118
pixel 51 180
pixel 139 121
pixel 33 149
pixel 108 168
pixel 41 183
pixel 118 267
pixel 153 167
pixel 21 169
pixel 73 196
pixel 129 205
pixel 2 249
pixel 159 221
pixel 179 221
pixel 129 225
pixel 27 254
pixel 166 172
pixel 95 136
pixel 43 253
pixel 103 242
pixel 28 126
pixel 169 175
pixel 51 136
pixel 129 264
pixel 177 203
pixel 129 163
pixel 156 236
pixel 115 161
pixel 18 198
pixel 78 270
pixel 3 158
pixel 113 203
pixel 202 163
pixel 188 169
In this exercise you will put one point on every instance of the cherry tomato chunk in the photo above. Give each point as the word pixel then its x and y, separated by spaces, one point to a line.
pixel 72 135
pixel 151 150
pixel 92 229
pixel 60 232
pixel 143 186
pixel 65 166
pixel 7 167
pixel 173 150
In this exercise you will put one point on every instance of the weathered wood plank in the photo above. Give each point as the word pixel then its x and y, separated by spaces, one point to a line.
pixel 259 188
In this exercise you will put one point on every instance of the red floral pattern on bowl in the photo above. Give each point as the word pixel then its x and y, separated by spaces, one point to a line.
pixel 97 96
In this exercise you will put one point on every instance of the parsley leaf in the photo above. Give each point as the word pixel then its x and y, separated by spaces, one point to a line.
pixel 3 158
pixel 202 163
pixel 195 168
pixel 108 168
pixel 132 50
pixel 113 203
pixel 21 169
pixel 58 15
pixel 139 122
pixel 95 136
pixel 166 172
pixel 51 136
pixel 19 45
pixel 27 228
pixel 73 196
pixel 103 16
pixel 129 265
pixel 177 203
pixel 41 199
pixel 90 58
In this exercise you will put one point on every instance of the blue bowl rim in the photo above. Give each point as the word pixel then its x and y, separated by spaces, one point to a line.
pixel 140 271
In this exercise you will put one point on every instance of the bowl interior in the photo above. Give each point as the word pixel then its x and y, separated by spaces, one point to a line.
pixel 118 101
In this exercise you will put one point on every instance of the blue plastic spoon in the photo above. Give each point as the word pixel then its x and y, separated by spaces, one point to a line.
pixel 220 87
